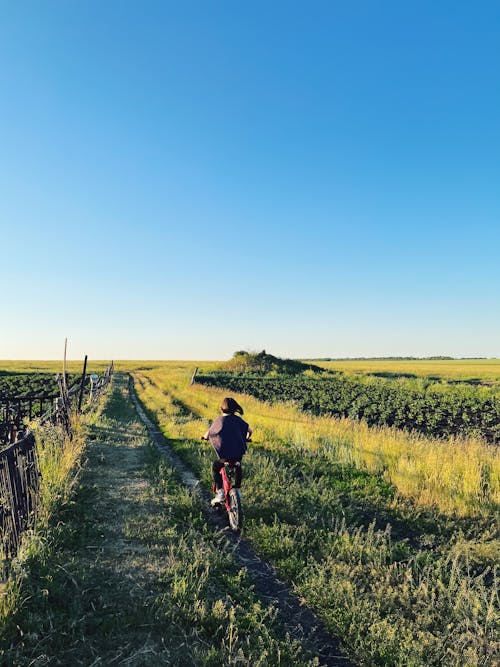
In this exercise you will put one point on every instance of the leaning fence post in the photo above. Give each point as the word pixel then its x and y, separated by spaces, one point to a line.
pixel 64 378
pixel 82 386
pixel 194 375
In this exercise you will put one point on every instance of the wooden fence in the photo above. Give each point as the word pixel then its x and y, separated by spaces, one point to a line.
pixel 19 469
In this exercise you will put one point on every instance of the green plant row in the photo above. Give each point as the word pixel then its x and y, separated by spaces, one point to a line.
pixel 35 384
pixel 400 585
pixel 435 410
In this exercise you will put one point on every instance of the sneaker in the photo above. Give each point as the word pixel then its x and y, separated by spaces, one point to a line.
pixel 218 498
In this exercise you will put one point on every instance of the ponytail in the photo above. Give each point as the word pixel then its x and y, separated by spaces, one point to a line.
pixel 230 406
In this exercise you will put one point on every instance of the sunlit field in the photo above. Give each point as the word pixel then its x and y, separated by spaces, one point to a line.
pixel 461 476
pixel 471 370
pixel 457 475
pixel 391 538
pixel 474 370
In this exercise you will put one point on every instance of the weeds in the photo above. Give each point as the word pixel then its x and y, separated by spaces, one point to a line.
pixel 419 591
pixel 130 574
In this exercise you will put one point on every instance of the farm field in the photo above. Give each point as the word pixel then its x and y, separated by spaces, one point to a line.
pixel 14 367
pixel 23 384
pixel 192 189
pixel 391 538
pixel 30 390
pixel 431 408
pixel 475 371
pixel 480 370
pixel 131 574
pixel 393 556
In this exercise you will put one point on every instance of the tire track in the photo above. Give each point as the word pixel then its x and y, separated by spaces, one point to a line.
pixel 298 620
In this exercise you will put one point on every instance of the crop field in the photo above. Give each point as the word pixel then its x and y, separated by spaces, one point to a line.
pixel 471 371
pixel 26 393
pixel 23 384
pixel 430 408
pixel 389 536
pixel 19 367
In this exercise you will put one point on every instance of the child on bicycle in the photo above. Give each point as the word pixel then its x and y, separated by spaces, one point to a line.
pixel 228 435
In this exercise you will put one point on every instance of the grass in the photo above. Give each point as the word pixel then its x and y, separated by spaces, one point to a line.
pixel 401 579
pixel 457 476
pixel 59 463
pixel 130 574
pixel 475 371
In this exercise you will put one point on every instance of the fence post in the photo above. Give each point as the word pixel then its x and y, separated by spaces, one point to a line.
pixel 64 377
pixel 82 386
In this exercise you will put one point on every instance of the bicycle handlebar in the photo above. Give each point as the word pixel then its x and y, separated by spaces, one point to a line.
pixel 206 439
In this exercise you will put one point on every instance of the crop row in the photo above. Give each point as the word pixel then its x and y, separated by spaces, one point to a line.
pixel 418 591
pixel 34 384
pixel 434 410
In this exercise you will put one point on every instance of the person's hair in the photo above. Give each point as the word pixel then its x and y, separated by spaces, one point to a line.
pixel 229 406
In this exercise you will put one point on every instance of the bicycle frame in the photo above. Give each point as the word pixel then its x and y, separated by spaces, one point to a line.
pixel 232 496
pixel 226 482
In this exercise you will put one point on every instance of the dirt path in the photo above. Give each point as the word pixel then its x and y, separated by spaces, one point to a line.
pixel 133 575
pixel 295 618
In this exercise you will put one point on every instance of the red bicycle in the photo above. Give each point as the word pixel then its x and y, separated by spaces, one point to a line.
pixel 232 495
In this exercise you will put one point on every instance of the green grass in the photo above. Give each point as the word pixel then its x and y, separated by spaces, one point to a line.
pixel 475 371
pixel 401 584
pixel 58 463
pixel 472 371
pixel 130 574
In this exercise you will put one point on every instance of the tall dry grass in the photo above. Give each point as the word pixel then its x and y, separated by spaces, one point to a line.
pixel 59 458
pixel 457 476
pixel 486 370
pixel 422 592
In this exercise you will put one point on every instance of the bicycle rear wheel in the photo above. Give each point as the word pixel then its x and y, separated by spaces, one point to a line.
pixel 235 511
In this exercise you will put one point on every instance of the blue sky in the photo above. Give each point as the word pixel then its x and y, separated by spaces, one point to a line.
pixel 181 180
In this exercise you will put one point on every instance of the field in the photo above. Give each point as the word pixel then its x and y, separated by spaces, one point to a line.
pixel 386 536
pixel 431 408
pixel 30 390
pixel 390 537
pixel 20 385
pixel 53 367
pixel 485 371
pixel 474 371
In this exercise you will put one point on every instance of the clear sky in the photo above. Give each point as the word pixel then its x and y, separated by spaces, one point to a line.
pixel 185 179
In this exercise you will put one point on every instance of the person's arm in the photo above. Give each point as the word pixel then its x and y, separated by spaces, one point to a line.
pixel 214 429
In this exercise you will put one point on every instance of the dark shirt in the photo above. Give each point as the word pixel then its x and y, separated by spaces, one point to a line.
pixel 228 435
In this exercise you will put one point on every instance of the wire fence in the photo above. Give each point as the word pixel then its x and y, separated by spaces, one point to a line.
pixel 19 467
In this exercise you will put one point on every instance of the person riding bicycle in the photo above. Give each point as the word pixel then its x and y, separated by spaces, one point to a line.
pixel 228 435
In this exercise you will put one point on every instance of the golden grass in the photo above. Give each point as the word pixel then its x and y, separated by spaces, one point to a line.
pixel 59 462
pixel 483 369
pixel 455 369
pixel 457 476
